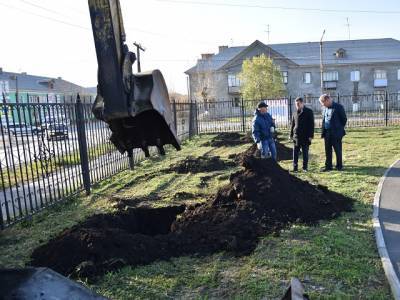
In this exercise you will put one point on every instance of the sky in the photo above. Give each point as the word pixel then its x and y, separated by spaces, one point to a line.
pixel 54 38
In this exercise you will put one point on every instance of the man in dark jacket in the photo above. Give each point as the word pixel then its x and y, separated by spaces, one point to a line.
pixel 301 132
pixel 333 123
pixel 262 129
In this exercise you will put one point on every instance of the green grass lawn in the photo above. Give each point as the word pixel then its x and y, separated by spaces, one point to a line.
pixel 336 259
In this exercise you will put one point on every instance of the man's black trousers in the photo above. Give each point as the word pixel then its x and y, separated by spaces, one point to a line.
pixel 304 150
pixel 334 142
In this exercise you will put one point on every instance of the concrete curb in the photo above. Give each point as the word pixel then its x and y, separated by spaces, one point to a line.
pixel 380 241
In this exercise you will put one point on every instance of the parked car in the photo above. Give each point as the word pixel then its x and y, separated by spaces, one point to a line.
pixel 57 131
pixel 57 119
pixel 18 129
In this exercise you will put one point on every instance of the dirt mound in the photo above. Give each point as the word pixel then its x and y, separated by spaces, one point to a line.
pixel 283 153
pixel 260 199
pixel 263 198
pixel 229 139
pixel 200 164
pixel 109 241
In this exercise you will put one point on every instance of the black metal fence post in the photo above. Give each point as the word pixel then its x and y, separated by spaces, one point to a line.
pixel 175 118
pixel 243 117
pixel 131 160
pixel 290 110
pixel 191 119
pixel 83 151
pixel 338 98
pixel 386 108
pixel 195 118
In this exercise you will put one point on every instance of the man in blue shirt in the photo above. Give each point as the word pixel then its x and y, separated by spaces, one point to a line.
pixel 333 123
pixel 262 130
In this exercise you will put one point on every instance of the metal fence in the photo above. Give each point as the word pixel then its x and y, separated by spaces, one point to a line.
pixel 362 111
pixel 52 151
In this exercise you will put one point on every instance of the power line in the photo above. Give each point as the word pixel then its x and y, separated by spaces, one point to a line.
pixel 44 17
pixel 283 7
pixel 44 8
pixel 162 35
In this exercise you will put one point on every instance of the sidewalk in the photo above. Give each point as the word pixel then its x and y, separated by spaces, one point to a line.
pixel 387 225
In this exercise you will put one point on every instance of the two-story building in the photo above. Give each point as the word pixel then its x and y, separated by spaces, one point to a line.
pixel 25 88
pixel 350 67
pixel 38 89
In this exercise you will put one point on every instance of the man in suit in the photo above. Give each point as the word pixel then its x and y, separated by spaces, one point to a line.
pixel 301 132
pixel 333 123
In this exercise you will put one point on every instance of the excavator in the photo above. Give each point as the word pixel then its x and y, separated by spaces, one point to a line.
pixel 137 109
pixel 135 106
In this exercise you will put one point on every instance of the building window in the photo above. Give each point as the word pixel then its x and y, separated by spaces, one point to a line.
pixel 236 102
pixel 233 80
pixel 285 76
pixel 355 76
pixel 380 74
pixel 330 76
pixel 379 95
pixel 307 77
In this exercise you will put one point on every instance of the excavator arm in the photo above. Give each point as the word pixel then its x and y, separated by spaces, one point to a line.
pixel 135 106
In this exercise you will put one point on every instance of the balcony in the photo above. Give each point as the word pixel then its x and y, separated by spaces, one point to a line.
pixel 380 82
pixel 234 90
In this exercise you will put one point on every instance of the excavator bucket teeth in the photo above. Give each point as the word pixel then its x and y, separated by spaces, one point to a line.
pixel 150 121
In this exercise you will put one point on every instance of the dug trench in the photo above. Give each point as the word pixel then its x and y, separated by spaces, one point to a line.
pixel 260 199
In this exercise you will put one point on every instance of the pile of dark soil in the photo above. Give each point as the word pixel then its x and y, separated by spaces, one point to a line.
pixel 200 164
pixel 229 139
pixel 109 241
pixel 234 139
pixel 263 198
pixel 283 153
pixel 125 203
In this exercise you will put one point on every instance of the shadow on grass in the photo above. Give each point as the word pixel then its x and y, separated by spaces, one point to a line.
pixel 376 171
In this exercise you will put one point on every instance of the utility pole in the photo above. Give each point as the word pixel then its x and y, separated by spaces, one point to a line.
pixel 138 48
pixel 348 26
pixel 321 66
pixel 268 32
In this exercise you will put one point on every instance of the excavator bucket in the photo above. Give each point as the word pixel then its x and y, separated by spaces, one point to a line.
pixel 136 106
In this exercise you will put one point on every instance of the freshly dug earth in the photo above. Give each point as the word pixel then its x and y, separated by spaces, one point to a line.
pixel 260 199
pixel 108 241
pixel 283 153
pixel 229 139
pixel 200 164
pixel 234 139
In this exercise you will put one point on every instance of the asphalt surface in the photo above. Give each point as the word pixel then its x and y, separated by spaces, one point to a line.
pixel 389 215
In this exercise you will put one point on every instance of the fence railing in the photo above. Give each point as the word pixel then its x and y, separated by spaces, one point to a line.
pixel 51 151
pixel 362 111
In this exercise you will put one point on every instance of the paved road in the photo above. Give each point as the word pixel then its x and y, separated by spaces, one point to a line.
pixel 54 186
pixel 24 148
pixel 389 215
pixel 31 196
